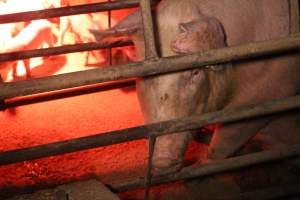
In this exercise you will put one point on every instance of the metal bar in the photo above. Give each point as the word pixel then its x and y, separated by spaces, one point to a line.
pixel 279 192
pixel 2 102
pixel 150 45
pixel 109 49
pixel 150 67
pixel 294 17
pixel 152 140
pixel 214 167
pixel 140 132
pixel 65 11
pixel 18 55
pixel 21 101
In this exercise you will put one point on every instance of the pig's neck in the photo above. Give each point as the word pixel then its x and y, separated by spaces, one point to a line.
pixel 220 90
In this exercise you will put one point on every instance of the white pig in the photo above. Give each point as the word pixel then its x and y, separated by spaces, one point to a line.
pixel 187 26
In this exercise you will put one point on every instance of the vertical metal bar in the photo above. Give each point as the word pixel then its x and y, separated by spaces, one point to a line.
pixel 152 140
pixel 150 46
pixel 110 49
pixel 294 17
pixel 2 102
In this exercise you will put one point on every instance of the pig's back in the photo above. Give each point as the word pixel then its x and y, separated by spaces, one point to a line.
pixel 247 21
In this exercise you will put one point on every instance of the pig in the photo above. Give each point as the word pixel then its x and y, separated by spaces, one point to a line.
pixel 188 26
pixel 24 35
pixel 80 25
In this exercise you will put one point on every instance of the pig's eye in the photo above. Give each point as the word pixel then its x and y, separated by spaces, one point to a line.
pixel 196 73
pixel 182 28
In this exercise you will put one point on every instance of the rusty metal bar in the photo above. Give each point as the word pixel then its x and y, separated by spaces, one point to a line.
pixel 65 11
pixel 141 132
pixel 2 102
pixel 150 67
pixel 109 56
pixel 294 17
pixel 65 94
pixel 152 140
pixel 150 45
pixel 214 167
pixel 150 53
pixel 18 55
pixel 279 192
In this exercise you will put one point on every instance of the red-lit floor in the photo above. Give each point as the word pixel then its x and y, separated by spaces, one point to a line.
pixel 72 117
pixel 64 119
pixel 68 118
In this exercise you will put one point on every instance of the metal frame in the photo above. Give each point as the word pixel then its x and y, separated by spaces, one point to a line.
pixel 146 68
pixel 149 67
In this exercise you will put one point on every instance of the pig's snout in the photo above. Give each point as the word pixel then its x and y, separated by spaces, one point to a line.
pixel 169 153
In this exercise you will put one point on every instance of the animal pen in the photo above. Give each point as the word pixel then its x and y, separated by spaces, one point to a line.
pixel 118 76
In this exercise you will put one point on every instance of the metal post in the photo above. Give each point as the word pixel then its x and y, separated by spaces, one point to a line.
pixel 150 45
pixel 294 17
pixel 151 145
pixel 2 102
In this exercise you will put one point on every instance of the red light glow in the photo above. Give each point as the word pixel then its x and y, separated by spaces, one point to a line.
pixel 72 117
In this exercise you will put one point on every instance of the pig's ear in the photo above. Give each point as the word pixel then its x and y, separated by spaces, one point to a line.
pixel 193 26
pixel 198 35
pixel 128 26
pixel 131 22
pixel 111 35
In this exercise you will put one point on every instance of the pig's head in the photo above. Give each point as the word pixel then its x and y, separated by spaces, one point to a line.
pixel 179 94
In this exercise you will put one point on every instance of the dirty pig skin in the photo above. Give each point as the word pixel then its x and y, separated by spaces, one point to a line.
pixel 187 26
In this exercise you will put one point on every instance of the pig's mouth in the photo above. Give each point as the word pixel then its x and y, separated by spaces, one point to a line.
pixel 165 166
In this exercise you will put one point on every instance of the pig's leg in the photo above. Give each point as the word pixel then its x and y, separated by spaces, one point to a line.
pixel 229 139
pixel 87 56
pixel 282 133
pixel 26 63
pixel 27 67
pixel 100 56
pixel 64 25
pixel 14 70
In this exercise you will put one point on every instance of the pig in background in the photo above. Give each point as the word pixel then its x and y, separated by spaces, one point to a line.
pixel 53 32
pixel 24 35
pixel 80 25
pixel 187 26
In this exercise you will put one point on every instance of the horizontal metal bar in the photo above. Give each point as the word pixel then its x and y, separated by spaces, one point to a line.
pixel 21 101
pixel 65 11
pixel 150 67
pixel 278 192
pixel 18 55
pixel 213 168
pixel 140 132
